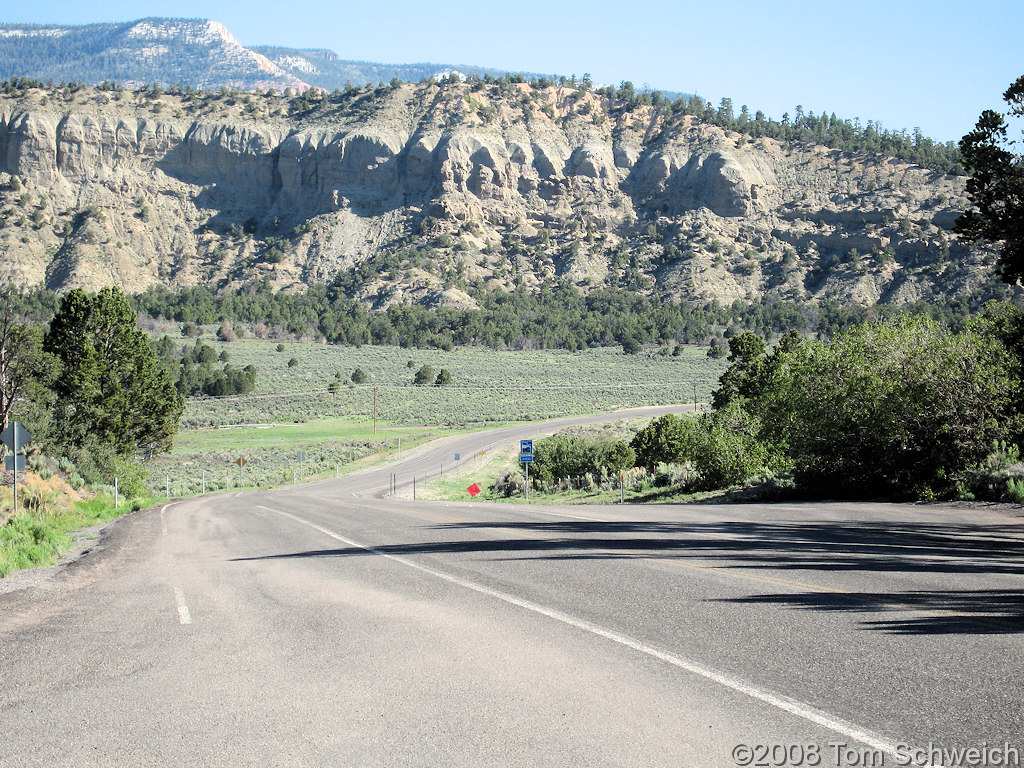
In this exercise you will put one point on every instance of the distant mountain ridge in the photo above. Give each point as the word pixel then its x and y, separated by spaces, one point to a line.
pixel 196 52
pixel 326 69
pixel 193 52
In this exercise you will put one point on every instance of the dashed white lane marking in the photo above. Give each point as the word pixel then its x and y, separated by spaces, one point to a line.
pixel 777 700
pixel 183 615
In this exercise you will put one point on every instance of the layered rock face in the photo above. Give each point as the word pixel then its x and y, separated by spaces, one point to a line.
pixel 424 190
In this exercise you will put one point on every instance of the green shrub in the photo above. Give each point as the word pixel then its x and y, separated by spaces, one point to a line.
pixel 509 483
pixel 991 479
pixel 903 408
pixel 731 451
pixel 131 478
pixel 1015 490
pixel 424 376
pixel 93 460
pixel 563 455
pixel 668 439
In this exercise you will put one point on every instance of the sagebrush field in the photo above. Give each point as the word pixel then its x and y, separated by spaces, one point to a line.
pixel 293 410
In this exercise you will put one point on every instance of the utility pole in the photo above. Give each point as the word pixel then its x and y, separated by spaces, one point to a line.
pixel 375 410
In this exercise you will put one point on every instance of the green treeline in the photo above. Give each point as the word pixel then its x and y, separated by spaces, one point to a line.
pixel 826 130
pixel 558 316
pixel 897 408
pixel 199 370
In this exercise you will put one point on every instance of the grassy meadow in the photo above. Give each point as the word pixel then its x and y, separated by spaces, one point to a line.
pixel 292 409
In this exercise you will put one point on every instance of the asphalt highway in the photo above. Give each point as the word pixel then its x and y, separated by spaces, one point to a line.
pixel 331 625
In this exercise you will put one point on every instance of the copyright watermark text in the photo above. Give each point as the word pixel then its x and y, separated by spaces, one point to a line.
pixel 837 754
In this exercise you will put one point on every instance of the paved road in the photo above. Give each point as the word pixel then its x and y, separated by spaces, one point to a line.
pixel 323 625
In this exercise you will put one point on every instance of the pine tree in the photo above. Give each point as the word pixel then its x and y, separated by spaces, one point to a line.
pixel 113 388
pixel 996 186
pixel 26 371
pixel 425 375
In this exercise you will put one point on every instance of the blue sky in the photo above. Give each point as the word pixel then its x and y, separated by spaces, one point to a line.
pixel 908 63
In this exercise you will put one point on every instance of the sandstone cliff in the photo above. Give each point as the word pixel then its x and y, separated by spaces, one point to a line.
pixel 415 193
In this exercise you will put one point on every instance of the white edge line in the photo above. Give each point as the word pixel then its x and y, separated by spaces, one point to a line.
pixel 779 701
pixel 163 522
pixel 183 614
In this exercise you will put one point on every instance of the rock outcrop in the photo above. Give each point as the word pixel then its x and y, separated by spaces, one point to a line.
pixel 421 190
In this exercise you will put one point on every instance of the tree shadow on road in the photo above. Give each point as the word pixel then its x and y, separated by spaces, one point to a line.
pixel 944 612
pixel 851 546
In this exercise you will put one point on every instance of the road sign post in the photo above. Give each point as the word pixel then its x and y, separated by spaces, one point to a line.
pixel 458 465
pixel 526 457
pixel 15 437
